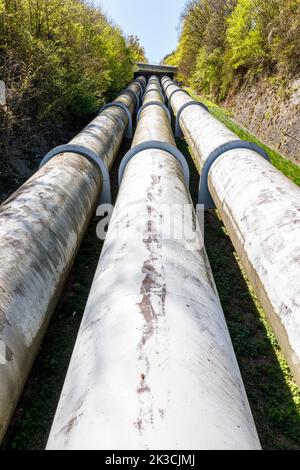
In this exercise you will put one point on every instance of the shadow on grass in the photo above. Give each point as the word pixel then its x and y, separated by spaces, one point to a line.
pixel 271 399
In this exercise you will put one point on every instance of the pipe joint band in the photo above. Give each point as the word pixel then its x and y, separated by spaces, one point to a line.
pixel 156 144
pixel 90 155
pixel 173 93
pixel 119 104
pixel 154 103
pixel 156 90
pixel 169 84
pixel 204 196
pixel 164 80
pixel 140 87
pixel 153 82
pixel 142 82
pixel 133 94
pixel 178 132
pixel 157 85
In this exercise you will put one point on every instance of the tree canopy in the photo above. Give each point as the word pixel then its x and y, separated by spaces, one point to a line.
pixel 60 59
pixel 137 51
pixel 222 39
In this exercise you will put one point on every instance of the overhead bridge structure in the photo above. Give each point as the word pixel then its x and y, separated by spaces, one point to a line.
pixel 147 70
pixel 153 366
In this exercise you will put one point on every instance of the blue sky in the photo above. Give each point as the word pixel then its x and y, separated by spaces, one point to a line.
pixel 154 21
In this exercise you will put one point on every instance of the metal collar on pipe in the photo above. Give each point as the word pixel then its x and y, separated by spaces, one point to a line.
pixel 142 81
pixel 154 85
pixel 92 156
pixel 157 91
pixel 154 103
pixel 169 84
pixel 157 85
pixel 119 104
pixel 173 93
pixel 153 82
pixel 134 95
pixel 156 144
pixel 178 132
pixel 141 88
pixel 204 196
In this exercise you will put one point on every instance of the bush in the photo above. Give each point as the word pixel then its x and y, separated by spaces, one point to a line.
pixel 284 37
pixel 244 36
pixel 207 75
pixel 60 60
pixel 222 40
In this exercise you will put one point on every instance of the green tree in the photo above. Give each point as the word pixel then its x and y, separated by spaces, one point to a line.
pixel 137 51
pixel 244 35
pixel 284 36
pixel 60 60
pixel 224 41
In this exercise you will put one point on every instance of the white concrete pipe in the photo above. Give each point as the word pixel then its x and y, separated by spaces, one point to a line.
pixel 260 209
pixel 41 227
pixel 153 366
pixel 142 80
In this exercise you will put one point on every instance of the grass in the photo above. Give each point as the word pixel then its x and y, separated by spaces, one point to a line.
pixel 288 168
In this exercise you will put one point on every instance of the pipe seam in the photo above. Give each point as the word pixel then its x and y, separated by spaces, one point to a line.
pixel 141 88
pixel 157 87
pixel 157 91
pixel 169 84
pixel 154 103
pixel 142 81
pixel 173 93
pixel 90 155
pixel 159 145
pixel 135 95
pixel 119 104
pixel 204 196
pixel 153 82
pixel 178 131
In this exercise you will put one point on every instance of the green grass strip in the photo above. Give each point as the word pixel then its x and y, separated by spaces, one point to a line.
pixel 288 168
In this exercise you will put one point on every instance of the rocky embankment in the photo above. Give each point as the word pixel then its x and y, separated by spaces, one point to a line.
pixel 24 152
pixel 270 109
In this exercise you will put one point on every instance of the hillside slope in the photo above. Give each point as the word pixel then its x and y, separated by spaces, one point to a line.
pixel 270 109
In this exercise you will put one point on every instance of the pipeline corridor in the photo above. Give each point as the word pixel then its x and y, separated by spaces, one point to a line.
pixel 153 366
